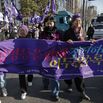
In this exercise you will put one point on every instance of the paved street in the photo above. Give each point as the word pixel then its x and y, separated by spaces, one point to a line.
pixel 94 88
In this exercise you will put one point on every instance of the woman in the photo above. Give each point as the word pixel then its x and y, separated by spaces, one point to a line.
pixel 23 33
pixel 50 33
pixel 75 33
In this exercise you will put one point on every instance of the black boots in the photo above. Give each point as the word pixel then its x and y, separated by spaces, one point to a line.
pixel 56 98
pixel 85 96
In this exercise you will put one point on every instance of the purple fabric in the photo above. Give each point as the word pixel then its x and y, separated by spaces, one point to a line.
pixel 11 11
pixel 35 19
pixel 47 9
pixel 51 59
pixel 53 6
pixel 14 11
pixel 75 16
pixel 6 5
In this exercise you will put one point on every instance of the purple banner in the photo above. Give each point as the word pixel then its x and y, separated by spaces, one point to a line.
pixel 60 60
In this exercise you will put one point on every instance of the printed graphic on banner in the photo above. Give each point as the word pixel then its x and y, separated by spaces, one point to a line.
pixel 60 60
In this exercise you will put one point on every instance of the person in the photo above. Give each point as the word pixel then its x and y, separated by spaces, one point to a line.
pixel 5 30
pixel 2 30
pixel 15 30
pixel 36 31
pixel 50 33
pixel 90 32
pixel 75 33
pixel 22 33
pixel 3 84
pixel 2 75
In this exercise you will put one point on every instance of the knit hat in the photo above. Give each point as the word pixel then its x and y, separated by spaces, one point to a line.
pixel 75 16
pixel 25 28
pixel 49 19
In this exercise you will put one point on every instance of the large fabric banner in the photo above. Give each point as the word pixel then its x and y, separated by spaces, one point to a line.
pixel 59 60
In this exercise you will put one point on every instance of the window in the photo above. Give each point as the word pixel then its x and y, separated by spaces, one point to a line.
pixel 99 19
pixel 61 20
pixel 98 27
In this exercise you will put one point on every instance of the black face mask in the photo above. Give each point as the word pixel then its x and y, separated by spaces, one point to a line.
pixel 50 30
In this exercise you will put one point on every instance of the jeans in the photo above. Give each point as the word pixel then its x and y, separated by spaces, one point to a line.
pixel 55 87
pixel 2 81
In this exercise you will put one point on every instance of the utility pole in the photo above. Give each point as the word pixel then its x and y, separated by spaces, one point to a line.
pixel 0 5
pixel 51 8
pixel 86 14
pixel 83 14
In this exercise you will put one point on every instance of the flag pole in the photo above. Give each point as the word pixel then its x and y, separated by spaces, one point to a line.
pixel 53 7
pixel 51 11
pixel 83 14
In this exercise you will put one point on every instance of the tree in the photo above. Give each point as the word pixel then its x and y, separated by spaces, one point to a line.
pixel 28 6
pixel 41 5
pixel 31 6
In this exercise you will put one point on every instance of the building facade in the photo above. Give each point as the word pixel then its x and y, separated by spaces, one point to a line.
pixel 73 6
pixel 92 12
pixel 15 1
pixel 1 5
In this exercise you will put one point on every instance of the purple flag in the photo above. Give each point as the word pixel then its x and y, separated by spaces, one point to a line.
pixel 14 11
pixel 7 13
pixel 47 9
pixel 19 17
pixel 10 11
pixel 53 6
pixel 35 19
pixel 6 5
